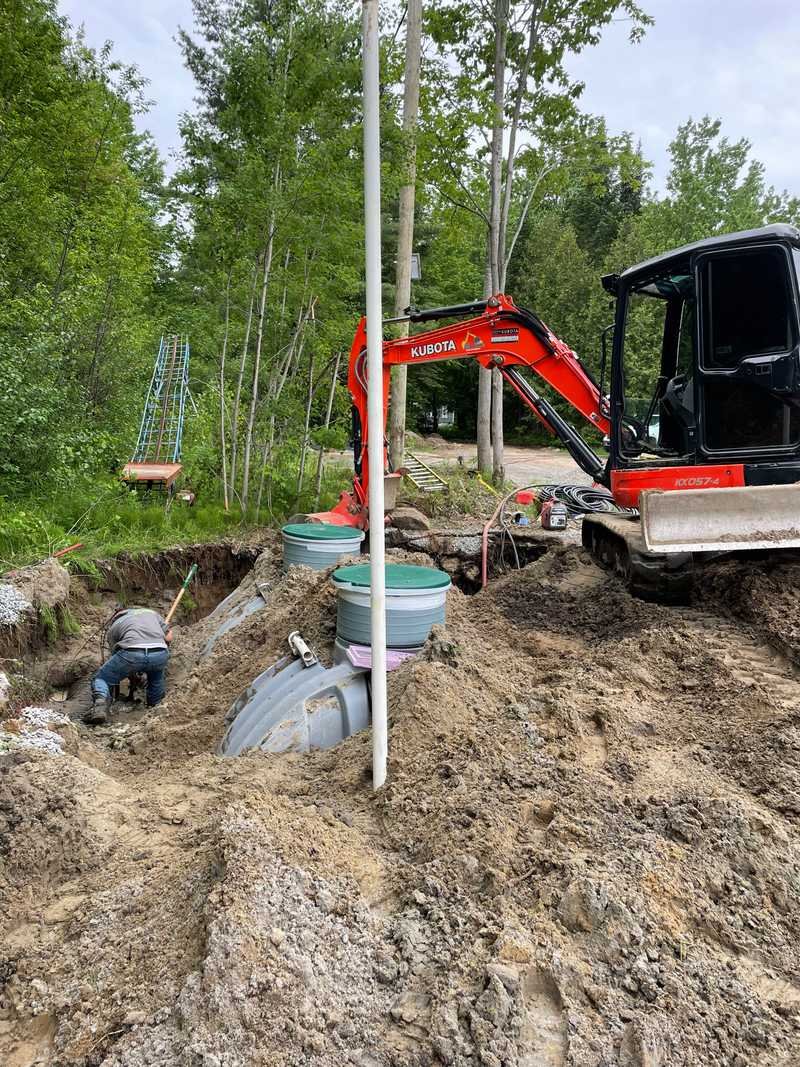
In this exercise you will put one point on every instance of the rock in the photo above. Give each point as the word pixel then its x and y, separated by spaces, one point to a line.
pixel 512 946
pixel 325 900
pixel 410 519
pixel 439 648
pixel 583 905
pixel 327 814
pixel 494 1003
pixel 44 584
pixel 640 1048
pixel 509 976
pixel 385 969
pixel 315 1043
pixel 410 1007
pixel 445 1049
pixel 366 1059
pixel 5 692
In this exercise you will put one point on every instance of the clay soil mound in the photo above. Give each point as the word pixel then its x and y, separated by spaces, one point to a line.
pixel 586 853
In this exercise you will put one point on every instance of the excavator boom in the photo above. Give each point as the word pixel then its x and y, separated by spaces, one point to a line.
pixel 495 333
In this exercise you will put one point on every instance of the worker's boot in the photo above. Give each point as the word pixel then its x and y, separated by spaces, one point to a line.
pixel 97 715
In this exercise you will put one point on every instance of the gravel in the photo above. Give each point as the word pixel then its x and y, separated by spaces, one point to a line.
pixel 33 732
pixel 42 740
pixel 42 718
pixel 13 605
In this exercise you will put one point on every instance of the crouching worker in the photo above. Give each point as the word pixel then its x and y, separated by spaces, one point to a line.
pixel 139 639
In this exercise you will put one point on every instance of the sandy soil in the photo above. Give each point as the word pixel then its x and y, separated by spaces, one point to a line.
pixel 524 466
pixel 586 854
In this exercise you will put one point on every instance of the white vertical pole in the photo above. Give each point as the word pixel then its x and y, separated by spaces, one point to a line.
pixel 375 413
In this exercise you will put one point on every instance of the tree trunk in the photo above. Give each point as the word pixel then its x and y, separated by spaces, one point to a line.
pixel 301 467
pixel 405 236
pixel 485 393
pixel 251 418
pixel 504 255
pixel 498 126
pixel 498 457
pixel 222 437
pixel 328 412
pixel 501 9
pixel 238 393
pixel 285 272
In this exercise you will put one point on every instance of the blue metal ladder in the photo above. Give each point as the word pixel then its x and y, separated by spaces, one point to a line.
pixel 161 428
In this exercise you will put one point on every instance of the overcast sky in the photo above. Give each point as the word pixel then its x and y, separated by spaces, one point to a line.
pixel 738 60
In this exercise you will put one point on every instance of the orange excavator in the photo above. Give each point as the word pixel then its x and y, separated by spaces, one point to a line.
pixel 698 405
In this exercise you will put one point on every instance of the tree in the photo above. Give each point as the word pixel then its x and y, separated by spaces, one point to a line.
pixel 713 186
pixel 272 175
pixel 405 238
pixel 81 242
pixel 526 49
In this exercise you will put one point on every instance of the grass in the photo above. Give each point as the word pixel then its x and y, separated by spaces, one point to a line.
pixel 108 519
pixel 47 617
pixel 69 624
pixel 466 495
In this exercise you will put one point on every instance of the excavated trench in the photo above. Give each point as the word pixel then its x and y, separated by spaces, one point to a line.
pixel 150 578
pixel 585 852
pixel 157 577
pixel 51 663
pixel 459 553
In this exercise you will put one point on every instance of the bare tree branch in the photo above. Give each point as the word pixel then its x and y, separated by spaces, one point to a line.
pixel 525 208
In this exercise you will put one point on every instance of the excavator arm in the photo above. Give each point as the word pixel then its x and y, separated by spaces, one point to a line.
pixel 496 333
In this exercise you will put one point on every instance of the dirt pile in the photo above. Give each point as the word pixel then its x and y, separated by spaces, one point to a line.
pixel 586 853
pixel 761 593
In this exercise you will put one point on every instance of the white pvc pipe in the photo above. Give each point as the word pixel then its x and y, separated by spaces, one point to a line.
pixel 375 416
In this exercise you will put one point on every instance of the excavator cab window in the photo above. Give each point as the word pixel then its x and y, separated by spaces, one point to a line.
pixel 749 361
pixel 658 365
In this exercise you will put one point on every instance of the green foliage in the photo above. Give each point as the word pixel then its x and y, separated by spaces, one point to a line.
pixel 98 257
pixel 80 243
pixel 465 496
pixel 187 605
pixel 49 622
pixel 713 187
pixel 68 624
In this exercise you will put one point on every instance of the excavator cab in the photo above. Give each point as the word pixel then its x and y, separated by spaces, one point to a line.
pixel 706 365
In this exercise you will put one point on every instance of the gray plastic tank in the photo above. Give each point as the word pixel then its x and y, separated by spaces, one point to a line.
pixel 415 601
pixel 319 544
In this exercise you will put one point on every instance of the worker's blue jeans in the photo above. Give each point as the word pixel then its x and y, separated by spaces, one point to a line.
pixel 131 661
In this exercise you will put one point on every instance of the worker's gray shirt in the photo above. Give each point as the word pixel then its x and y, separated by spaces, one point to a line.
pixel 138 628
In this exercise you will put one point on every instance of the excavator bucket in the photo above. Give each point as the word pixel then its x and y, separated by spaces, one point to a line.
pixel 721 520
pixel 297 705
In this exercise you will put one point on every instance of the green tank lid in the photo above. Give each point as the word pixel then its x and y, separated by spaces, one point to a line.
pixel 322 531
pixel 398 576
